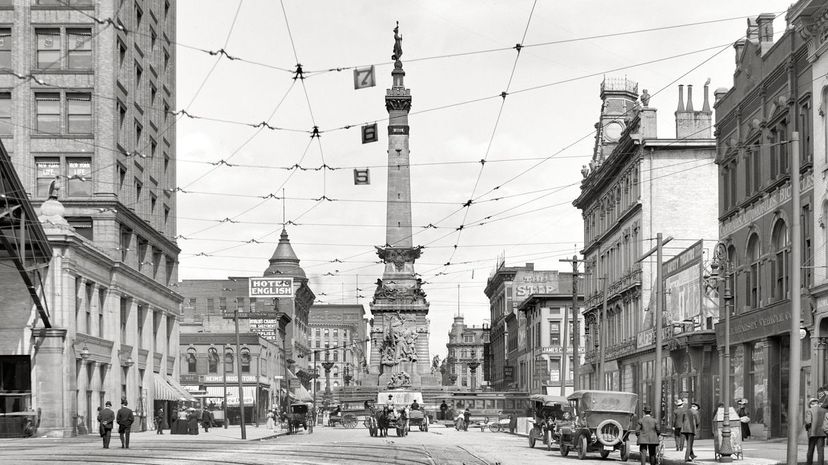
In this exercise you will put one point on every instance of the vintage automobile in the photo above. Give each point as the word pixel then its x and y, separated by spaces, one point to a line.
pixel 602 422
pixel 548 411
pixel 419 419
pixel 297 417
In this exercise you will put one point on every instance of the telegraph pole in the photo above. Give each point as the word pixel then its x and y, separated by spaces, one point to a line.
pixel 796 303
pixel 576 357
pixel 239 374
pixel 660 243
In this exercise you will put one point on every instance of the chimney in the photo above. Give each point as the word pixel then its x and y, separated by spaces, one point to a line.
pixel 689 98
pixel 752 33
pixel 739 46
pixel 681 99
pixel 706 104
pixel 765 31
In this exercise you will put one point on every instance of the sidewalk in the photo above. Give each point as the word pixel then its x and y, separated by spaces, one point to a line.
pixel 233 432
pixel 770 452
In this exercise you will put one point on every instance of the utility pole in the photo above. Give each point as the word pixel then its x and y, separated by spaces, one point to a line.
pixel 602 325
pixel 660 243
pixel 576 314
pixel 796 304
pixel 239 374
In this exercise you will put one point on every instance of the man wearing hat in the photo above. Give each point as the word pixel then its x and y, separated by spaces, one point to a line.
pixel 124 420
pixel 106 417
pixel 678 413
pixel 689 426
pixel 647 432
pixel 814 423
pixel 744 418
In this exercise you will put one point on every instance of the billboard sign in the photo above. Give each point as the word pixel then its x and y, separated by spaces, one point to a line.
pixel 683 285
pixel 270 287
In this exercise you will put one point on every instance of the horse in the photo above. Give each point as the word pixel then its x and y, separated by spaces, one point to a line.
pixel 382 423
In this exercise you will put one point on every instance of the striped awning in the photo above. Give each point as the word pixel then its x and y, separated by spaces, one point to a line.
pixel 168 389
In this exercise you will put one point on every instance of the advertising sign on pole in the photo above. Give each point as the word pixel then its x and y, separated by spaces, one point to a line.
pixel 270 287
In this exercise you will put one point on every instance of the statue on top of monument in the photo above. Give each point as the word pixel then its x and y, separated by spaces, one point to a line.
pixel 397 44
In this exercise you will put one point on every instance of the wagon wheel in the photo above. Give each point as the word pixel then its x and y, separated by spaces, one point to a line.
pixel 531 440
pixel 564 450
pixel 494 427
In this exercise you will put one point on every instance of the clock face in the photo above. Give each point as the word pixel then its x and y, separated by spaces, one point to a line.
pixel 612 131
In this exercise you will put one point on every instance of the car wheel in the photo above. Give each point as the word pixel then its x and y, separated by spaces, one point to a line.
pixel 531 440
pixel 425 428
pixel 564 450
pixel 582 447
pixel 604 454
pixel 548 440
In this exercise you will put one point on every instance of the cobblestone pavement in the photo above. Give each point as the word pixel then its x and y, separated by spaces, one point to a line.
pixel 324 446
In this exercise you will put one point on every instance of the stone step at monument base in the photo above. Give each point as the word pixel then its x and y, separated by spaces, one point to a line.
pixel 355 396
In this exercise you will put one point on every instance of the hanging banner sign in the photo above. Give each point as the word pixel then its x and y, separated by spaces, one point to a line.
pixel 364 77
pixel 362 176
pixel 369 133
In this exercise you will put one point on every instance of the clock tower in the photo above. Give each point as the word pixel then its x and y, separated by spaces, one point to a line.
pixel 618 98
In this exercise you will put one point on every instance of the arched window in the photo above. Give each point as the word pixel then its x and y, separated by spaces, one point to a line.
pixel 191 360
pixel 780 271
pixel 753 277
pixel 228 361
pixel 212 360
pixel 245 360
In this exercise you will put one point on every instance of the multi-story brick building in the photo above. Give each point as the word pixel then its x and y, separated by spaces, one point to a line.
pixel 87 101
pixel 465 347
pixel 775 92
pixel 636 186
pixel 207 302
pixel 338 333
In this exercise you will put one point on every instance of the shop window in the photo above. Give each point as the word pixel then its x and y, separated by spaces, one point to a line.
pixel 780 266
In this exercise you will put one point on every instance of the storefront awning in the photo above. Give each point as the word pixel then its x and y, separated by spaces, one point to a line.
pixel 586 369
pixel 168 389
pixel 297 390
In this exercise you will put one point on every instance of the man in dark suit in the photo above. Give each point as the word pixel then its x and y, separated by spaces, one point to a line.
pixel 689 427
pixel 106 418
pixel 814 424
pixel 647 433
pixel 124 420
pixel 678 414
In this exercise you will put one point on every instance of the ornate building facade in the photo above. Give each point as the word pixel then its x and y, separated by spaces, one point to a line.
pixel 637 185
pixel 338 333
pixel 775 92
pixel 464 362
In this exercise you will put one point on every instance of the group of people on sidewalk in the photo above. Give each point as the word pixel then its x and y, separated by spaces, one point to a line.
pixel 107 419
pixel 816 423
pixel 686 423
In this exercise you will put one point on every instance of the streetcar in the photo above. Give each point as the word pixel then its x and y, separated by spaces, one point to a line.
pixel 487 406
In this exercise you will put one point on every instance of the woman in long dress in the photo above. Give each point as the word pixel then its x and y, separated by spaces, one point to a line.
pixel 271 425
pixel 743 413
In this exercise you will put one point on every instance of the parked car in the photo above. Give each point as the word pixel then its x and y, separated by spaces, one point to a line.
pixel 547 412
pixel 602 422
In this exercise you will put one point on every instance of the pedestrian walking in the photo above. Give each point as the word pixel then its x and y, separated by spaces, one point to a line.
pixel 744 418
pixel 205 420
pixel 159 421
pixel 677 416
pixel 647 432
pixel 106 418
pixel 466 419
pixel 192 421
pixel 689 427
pixel 815 425
pixel 124 419
pixel 271 425
pixel 443 410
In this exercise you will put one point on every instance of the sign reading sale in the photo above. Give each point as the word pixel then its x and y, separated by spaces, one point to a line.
pixel 270 287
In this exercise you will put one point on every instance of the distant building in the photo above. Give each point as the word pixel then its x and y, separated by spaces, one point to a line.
pixel 338 334
pixel 208 303
pixel 465 347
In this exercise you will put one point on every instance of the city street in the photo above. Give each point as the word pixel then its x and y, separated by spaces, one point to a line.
pixel 326 445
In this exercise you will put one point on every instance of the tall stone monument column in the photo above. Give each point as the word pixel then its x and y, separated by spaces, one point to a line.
pixel 400 329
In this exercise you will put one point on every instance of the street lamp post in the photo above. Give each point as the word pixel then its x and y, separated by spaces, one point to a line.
pixel 224 384
pixel 473 368
pixel 721 262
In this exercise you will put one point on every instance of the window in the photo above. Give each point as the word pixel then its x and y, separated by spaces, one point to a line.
pixel 555 333
pixel 139 130
pixel 780 266
pixel 153 38
pixel 122 112
pixel 166 60
pixel 806 130
pixel 139 72
pixel 336 356
pixel 139 15
pixel 15 381
pixel 122 172
pixel 191 360
pixel 78 174
pixel 228 361
pixel 82 225
pixel 211 306
pixel 126 240
pixel 807 251
pixel 48 48
pixel 468 338
pixel 5 114
pixel 212 360
pixel 79 113
pixel 47 108
pixel 245 360
pixel 5 48
pixel 47 170
pixel 139 188
pixel 327 332
pixel 752 276
pixel 142 252
pixel 166 214
pixel 80 48
pixel 336 333
pixel 122 51
pixel 318 332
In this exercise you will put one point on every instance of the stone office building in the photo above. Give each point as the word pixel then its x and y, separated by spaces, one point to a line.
pixel 338 333
pixel 775 92
pixel 102 127
pixel 637 185
pixel 464 363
